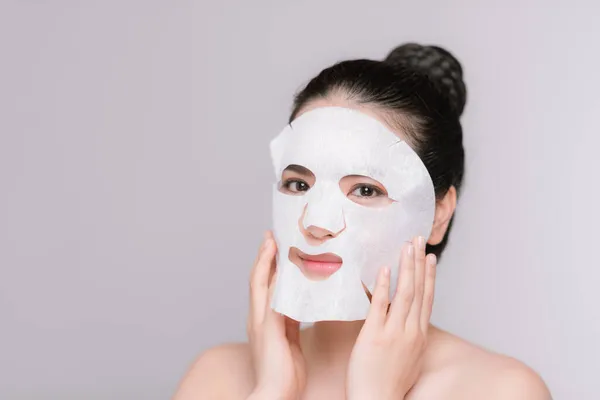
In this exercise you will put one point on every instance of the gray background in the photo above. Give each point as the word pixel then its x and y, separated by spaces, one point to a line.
pixel 134 178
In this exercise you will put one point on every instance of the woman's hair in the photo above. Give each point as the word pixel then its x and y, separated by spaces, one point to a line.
pixel 417 89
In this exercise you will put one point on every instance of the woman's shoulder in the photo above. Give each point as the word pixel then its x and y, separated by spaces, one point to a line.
pixel 454 365
pixel 210 374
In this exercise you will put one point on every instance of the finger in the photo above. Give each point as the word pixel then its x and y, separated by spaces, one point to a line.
pixel 250 319
pixel 272 286
pixel 274 321
pixel 258 254
pixel 414 315
pixel 273 269
pixel 259 284
pixel 405 290
pixel 429 291
pixel 292 330
pixel 380 299
pixel 271 291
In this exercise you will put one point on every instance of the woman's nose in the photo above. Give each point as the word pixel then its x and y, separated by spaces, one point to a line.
pixel 319 233
pixel 316 233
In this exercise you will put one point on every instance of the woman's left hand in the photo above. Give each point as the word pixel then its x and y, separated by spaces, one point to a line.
pixel 386 358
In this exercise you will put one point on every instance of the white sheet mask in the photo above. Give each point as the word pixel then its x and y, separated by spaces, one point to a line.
pixel 335 142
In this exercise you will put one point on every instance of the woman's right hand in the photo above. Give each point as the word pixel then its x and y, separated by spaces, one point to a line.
pixel 274 338
pixel 388 353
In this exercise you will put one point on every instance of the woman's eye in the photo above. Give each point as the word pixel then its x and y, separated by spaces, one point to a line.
pixel 296 186
pixel 366 191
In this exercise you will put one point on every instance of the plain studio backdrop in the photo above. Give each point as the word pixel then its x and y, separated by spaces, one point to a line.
pixel 135 179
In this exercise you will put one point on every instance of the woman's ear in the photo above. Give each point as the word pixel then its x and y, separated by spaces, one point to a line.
pixel 444 209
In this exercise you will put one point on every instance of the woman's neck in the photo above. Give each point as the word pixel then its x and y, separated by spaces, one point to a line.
pixel 331 341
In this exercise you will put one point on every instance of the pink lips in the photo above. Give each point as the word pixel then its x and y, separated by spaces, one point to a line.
pixel 316 267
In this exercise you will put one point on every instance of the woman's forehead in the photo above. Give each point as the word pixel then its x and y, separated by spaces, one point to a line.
pixel 373 111
pixel 333 142
pixel 335 137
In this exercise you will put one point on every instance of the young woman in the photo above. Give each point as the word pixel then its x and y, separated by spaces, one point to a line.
pixel 419 94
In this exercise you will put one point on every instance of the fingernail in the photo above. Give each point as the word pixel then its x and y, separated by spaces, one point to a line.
pixel 386 272
pixel 411 250
pixel 421 242
pixel 432 259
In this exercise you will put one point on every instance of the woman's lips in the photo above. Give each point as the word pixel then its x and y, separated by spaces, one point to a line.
pixel 315 267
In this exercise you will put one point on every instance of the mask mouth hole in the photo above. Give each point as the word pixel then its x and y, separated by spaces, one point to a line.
pixel 316 267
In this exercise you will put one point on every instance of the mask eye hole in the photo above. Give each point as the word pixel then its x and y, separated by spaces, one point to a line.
pixel 365 191
pixel 296 180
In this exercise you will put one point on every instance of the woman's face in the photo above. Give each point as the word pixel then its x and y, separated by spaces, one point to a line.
pixel 349 192
pixel 296 181
pixel 363 190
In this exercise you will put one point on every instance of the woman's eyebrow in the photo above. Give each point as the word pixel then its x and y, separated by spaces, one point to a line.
pixel 299 169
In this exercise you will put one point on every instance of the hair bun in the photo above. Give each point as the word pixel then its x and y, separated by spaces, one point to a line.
pixel 439 65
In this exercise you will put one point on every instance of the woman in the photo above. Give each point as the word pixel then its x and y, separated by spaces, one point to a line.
pixel 419 94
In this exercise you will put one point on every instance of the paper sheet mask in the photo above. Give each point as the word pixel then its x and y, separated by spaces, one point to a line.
pixel 333 143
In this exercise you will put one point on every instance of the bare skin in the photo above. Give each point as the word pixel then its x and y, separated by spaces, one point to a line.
pixel 447 368
pixel 395 354
pixel 452 369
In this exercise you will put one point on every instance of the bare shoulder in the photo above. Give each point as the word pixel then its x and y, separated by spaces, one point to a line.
pixel 466 371
pixel 223 372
